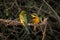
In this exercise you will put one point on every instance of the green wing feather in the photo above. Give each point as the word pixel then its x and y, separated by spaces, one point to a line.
pixel 23 13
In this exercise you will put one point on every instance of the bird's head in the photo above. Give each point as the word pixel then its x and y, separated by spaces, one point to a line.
pixel 34 15
pixel 23 12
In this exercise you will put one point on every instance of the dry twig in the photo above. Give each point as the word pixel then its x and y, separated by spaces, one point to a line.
pixel 44 32
pixel 14 22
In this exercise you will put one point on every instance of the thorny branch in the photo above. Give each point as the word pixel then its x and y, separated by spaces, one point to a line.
pixel 14 22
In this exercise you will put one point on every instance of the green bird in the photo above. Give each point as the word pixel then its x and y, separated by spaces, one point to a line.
pixel 23 20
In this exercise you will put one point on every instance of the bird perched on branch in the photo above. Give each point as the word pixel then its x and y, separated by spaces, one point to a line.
pixel 23 20
pixel 35 20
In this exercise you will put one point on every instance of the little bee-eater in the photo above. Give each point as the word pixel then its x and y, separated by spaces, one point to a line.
pixel 35 20
pixel 23 20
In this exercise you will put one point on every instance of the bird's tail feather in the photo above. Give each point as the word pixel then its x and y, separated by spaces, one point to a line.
pixel 27 30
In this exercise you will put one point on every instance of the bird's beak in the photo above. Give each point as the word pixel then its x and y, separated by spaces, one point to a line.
pixel 32 15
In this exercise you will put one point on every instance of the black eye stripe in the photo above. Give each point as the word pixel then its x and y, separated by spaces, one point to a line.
pixel 34 17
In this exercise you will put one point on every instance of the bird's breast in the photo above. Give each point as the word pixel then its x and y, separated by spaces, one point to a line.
pixel 21 19
pixel 36 20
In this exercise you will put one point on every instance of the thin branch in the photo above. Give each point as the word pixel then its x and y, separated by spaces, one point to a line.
pixel 40 8
pixel 52 10
pixel 14 22
pixel 44 32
